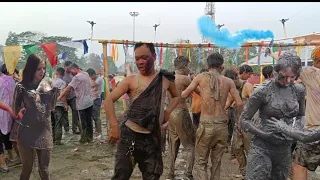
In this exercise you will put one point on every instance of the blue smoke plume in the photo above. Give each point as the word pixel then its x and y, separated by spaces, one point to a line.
pixel 224 38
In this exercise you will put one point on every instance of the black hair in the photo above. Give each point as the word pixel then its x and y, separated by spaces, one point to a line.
pixel 267 71
pixel 215 60
pixel 150 46
pixel 91 72
pixel 229 73
pixel 245 69
pixel 30 69
pixel 74 65
pixel 5 71
pixel 67 63
pixel 288 60
pixel 180 62
pixel 60 70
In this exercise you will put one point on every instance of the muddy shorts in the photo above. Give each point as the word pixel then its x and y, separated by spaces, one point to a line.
pixel 307 155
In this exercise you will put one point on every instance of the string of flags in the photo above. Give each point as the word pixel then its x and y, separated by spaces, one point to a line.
pixel 12 54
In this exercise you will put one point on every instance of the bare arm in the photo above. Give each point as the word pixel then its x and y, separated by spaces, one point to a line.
pixel 65 92
pixel 236 97
pixel 194 84
pixel 5 107
pixel 229 102
pixel 116 93
pixel 248 89
pixel 175 97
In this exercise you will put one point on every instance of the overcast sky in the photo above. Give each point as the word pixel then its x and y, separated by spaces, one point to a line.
pixel 177 20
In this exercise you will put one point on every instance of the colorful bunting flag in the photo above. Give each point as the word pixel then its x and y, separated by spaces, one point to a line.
pixel 12 55
pixel 50 49
pixel 31 49
pixel 76 44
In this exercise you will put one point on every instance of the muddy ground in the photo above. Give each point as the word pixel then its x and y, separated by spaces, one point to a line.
pixel 95 161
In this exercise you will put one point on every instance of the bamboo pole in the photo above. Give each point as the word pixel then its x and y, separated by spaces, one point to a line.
pixel 206 45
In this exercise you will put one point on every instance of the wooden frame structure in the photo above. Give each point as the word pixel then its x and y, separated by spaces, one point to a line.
pixel 104 43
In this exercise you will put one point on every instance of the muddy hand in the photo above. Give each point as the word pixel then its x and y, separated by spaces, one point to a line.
pixel 114 135
pixel 164 126
pixel 277 124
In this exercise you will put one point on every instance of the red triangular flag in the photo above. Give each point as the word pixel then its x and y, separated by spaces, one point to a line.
pixel 50 49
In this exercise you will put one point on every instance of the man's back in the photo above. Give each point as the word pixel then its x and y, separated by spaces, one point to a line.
pixel 213 101
pixel 182 82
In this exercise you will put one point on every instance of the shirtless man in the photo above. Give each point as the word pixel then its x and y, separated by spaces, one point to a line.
pixel 212 133
pixel 180 123
pixel 245 72
pixel 240 140
pixel 140 139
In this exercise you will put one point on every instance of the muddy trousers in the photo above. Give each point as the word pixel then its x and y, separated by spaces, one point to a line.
pixel 85 116
pixel 181 131
pixel 264 164
pixel 211 139
pixel 4 140
pixel 60 115
pixel 240 148
pixel 96 114
pixel 146 154
pixel 27 156
pixel 75 116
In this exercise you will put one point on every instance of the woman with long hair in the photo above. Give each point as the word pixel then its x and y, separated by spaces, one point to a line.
pixel 282 99
pixel 35 94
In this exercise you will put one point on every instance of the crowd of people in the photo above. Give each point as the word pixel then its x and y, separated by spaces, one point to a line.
pixel 259 125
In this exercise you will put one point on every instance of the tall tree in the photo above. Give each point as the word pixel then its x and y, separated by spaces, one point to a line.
pixel 112 68
pixel 95 62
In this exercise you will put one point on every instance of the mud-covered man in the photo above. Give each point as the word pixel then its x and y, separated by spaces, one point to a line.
pixel 140 139
pixel 212 133
pixel 245 72
pixel 180 124
pixel 240 140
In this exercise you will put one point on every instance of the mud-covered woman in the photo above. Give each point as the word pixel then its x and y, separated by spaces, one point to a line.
pixel 34 135
pixel 279 98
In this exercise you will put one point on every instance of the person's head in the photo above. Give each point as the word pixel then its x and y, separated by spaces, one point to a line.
pixel 67 65
pixel 215 61
pixel 125 75
pixel 287 69
pixel 145 56
pixel 181 64
pixel 5 71
pixel 60 72
pixel 92 73
pixel 315 55
pixel 245 72
pixel 110 77
pixel 232 74
pixel 34 70
pixel 74 69
pixel 267 72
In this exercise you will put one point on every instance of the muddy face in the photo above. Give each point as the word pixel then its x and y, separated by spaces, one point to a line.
pixel 246 75
pixel 40 71
pixel 285 77
pixel 144 60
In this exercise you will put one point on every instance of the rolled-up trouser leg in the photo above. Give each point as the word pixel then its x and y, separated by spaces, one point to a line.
pixel 96 114
pixel 44 160
pixel 75 115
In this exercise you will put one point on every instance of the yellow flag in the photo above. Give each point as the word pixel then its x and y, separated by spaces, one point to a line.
pixel 12 55
pixel 299 51
pixel 116 53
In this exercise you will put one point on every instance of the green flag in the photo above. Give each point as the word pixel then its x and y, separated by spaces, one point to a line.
pixel 31 49
pixel 49 69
